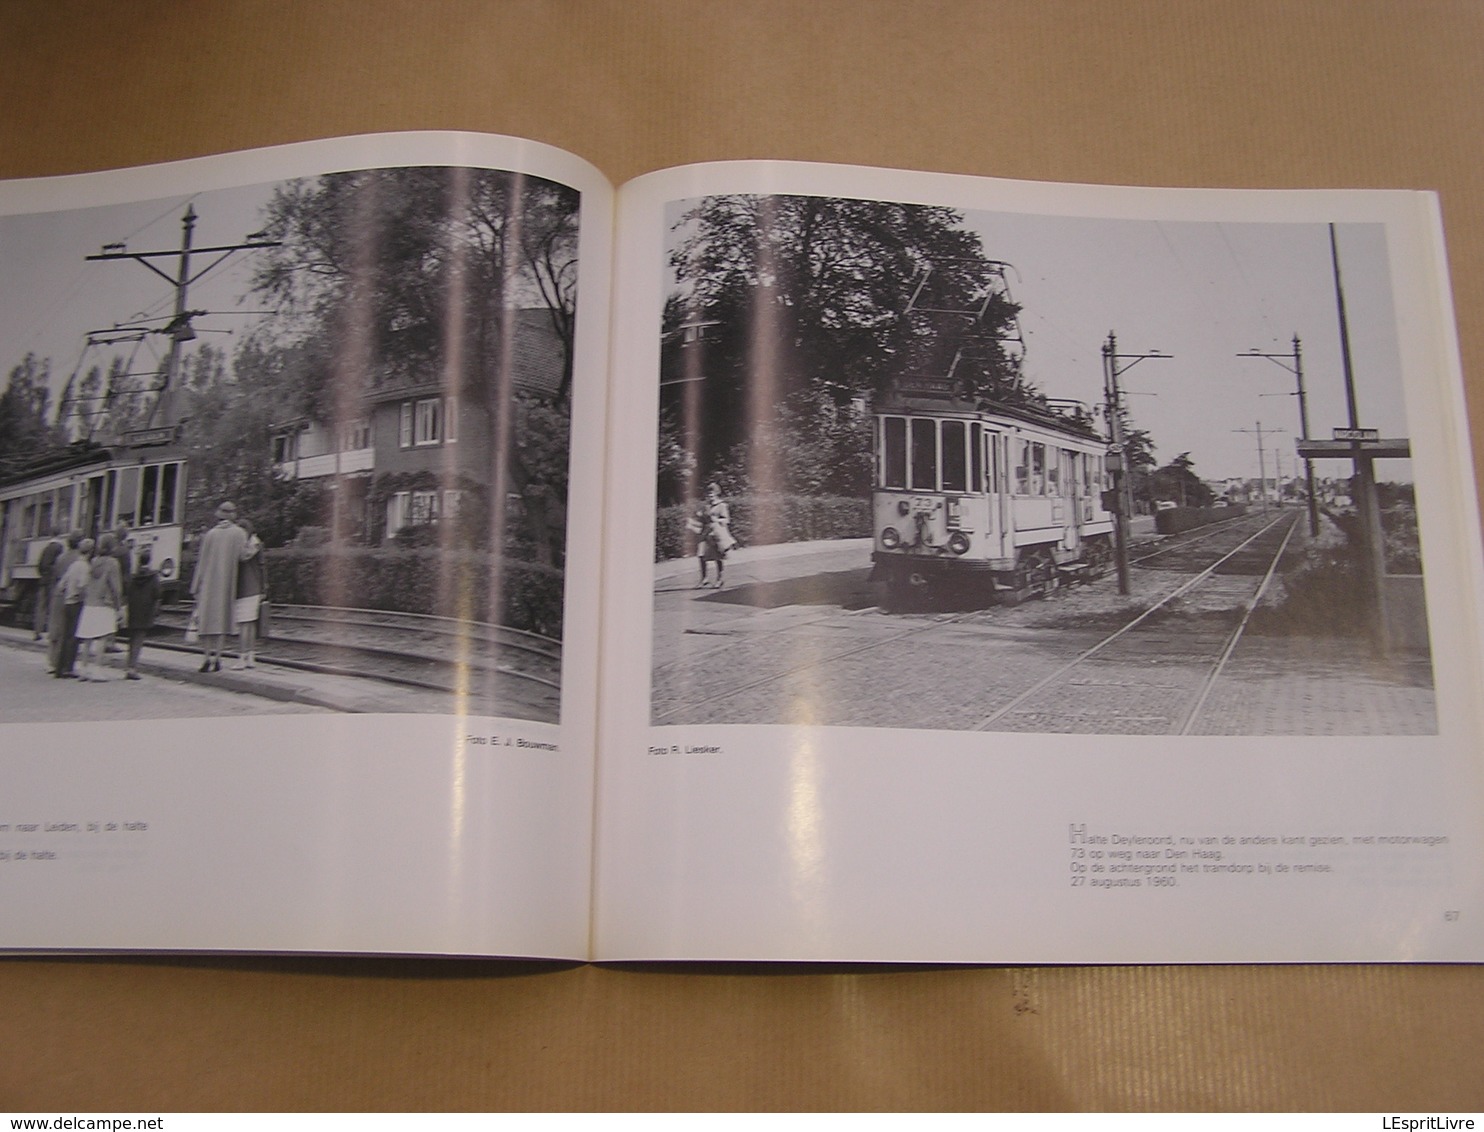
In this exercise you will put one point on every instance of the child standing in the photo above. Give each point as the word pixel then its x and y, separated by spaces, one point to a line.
pixel 143 604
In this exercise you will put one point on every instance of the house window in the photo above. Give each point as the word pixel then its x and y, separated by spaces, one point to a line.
pixel 451 420
pixel 356 436
pixel 404 431
pixel 427 421
pixel 396 511
pixel 424 508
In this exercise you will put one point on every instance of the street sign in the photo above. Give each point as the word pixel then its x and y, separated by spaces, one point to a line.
pixel 1357 434
pixel 1393 448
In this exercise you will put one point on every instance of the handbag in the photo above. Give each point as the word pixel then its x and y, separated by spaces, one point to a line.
pixel 265 619
pixel 193 628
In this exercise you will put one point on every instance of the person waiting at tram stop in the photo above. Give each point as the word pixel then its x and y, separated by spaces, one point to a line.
pixel 72 590
pixel 46 584
pixel 56 628
pixel 102 601
pixel 141 602
pixel 214 584
pixel 251 582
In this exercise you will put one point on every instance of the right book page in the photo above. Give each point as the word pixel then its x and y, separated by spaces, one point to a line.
pixel 1012 572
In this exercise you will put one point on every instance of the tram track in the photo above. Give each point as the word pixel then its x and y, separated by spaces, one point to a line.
pixel 1242 547
pixel 410 650
pixel 1193 538
pixel 1166 546
pixel 1057 682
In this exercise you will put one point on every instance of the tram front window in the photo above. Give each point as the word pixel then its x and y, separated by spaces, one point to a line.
pixel 128 496
pixel 1022 467
pixel 955 466
pixel 149 497
pixel 64 510
pixel 92 506
pixel 169 488
pixel 894 452
pixel 924 454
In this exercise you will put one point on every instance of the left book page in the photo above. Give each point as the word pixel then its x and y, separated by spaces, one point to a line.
pixel 297 652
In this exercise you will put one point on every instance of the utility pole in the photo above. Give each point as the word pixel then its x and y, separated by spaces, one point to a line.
pixel 1262 468
pixel 1118 451
pixel 1297 369
pixel 1373 554
pixel 179 327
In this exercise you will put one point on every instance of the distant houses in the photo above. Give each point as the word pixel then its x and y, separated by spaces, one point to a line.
pixel 417 452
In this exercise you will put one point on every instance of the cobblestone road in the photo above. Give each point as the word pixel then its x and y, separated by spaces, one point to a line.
pixel 798 640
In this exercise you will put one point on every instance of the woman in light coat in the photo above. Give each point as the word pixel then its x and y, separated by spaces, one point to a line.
pixel 100 606
pixel 714 518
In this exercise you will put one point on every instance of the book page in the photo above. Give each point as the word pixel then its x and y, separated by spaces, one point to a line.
pixel 1005 572
pixel 301 460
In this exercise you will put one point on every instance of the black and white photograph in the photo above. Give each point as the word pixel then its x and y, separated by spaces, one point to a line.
pixel 925 467
pixel 292 447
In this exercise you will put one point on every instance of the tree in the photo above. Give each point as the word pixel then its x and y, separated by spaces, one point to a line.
pixel 227 419
pixel 402 273
pixel 1138 454
pixel 399 277
pixel 24 408
pixel 1177 481
pixel 784 303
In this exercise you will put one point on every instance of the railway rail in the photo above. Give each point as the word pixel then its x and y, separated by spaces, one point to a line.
pixel 1204 646
pixel 413 650
pixel 1084 679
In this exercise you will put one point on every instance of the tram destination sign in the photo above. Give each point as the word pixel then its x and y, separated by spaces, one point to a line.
pixel 1357 434
pixel 148 437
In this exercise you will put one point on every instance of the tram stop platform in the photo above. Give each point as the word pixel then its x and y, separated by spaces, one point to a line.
pixel 324 690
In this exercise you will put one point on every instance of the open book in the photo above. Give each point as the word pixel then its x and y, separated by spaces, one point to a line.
pixel 760 561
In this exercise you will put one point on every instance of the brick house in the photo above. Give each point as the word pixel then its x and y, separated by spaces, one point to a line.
pixel 421 449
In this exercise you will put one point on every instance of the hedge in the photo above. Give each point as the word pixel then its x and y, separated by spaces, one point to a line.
pixel 762 520
pixel 1175 520
pixel 453 583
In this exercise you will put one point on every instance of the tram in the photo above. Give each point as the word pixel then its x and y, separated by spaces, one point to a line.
pixel 92 489
pixel 971 495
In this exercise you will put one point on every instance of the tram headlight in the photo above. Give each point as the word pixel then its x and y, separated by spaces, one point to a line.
pixel 167 569
pixel 958 542
pixel 890 538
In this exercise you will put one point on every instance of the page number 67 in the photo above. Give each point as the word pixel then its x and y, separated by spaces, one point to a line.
pixel 1451 915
